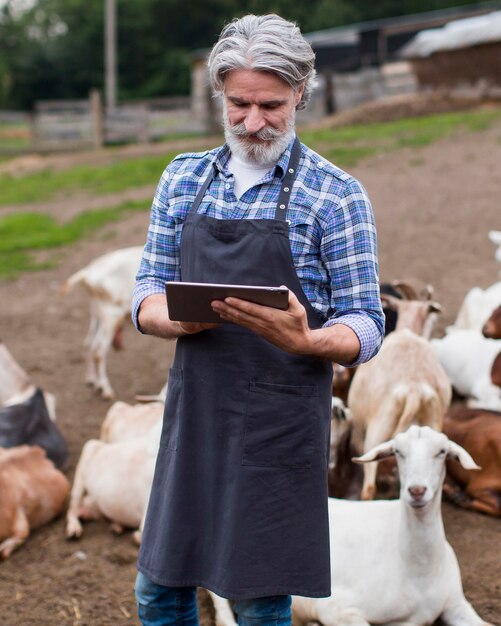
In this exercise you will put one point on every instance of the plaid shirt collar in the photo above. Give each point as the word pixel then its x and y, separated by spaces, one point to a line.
pixel 223 156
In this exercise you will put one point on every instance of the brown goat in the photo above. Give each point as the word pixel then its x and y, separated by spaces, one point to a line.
pixel 479 432
pixel 33 493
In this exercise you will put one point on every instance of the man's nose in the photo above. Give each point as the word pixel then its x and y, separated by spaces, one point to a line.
pixel 254 120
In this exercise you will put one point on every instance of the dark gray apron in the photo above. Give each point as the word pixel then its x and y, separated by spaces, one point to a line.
pixel 239 498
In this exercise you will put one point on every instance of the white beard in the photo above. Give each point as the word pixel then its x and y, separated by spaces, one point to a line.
pixel 274 142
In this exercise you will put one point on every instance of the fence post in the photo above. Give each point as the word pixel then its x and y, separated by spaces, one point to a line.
pixel 96 114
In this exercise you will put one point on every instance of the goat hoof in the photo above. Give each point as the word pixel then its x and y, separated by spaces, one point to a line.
pixel 74 530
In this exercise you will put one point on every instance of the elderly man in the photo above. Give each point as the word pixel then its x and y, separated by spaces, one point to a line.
pixel 239 498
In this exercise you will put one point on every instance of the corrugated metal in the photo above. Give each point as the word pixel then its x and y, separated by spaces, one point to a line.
pixel 456 35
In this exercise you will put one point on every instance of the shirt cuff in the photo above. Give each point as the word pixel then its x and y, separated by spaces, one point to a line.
pixel 367 332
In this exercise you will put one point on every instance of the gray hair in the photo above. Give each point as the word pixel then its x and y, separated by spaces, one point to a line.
pixel 265 43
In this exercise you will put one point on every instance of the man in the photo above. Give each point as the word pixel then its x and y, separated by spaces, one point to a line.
pixel 239 498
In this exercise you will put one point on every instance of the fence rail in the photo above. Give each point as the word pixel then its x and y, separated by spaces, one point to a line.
pixel 82 124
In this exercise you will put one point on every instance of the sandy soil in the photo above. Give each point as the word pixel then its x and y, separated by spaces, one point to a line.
pixel 433 206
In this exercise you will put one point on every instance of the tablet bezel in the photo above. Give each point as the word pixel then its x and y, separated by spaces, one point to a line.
pixel 191 302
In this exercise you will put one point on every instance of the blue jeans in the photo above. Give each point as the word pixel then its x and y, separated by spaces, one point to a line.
pixel 177 606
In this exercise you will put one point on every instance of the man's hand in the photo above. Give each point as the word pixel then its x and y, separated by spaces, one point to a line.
pixel 286 329
pixel 190 328
pixel 289 329
pixel 154 319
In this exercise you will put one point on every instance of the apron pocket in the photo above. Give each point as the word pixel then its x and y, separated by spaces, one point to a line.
pixel 280 425
pixel 172 410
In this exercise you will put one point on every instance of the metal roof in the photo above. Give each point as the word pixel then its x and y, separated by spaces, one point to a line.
pixel 456 35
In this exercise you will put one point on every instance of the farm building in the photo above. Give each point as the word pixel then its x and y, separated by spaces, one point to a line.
pixel 362 62
pixel 355 64
pixel 467 51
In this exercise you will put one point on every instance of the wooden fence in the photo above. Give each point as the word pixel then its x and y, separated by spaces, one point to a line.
pixel 84 124
pixel 15 132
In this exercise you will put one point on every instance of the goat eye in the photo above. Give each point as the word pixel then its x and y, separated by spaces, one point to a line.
pixel 442 452
pixel 399 454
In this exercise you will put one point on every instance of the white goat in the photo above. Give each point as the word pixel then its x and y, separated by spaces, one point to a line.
pixel 16 386
pixel 113 480
pixel 467 358
pixel 495 237
pixel 129 421
pixel 403 385
pixel 109 281
pixel 476 308
pixel 390 560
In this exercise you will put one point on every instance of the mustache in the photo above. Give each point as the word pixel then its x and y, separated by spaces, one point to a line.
pixel 265 134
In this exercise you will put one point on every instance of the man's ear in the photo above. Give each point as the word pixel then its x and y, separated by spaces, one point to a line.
pixel 299 93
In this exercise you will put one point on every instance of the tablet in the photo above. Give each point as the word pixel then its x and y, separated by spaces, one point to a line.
pixel 191 302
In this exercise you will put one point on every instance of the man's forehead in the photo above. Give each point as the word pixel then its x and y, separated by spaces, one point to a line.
pixel 237 99
pixel 245 84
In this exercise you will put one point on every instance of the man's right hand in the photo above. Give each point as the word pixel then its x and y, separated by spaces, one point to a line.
pixel 153 318
pixel 190 328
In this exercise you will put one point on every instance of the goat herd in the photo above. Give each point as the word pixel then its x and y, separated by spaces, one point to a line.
pixel 398 407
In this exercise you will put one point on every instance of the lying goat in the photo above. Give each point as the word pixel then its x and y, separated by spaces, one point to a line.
pixel 470 360
pixel 27 414
pixel 15 384
pixel 390 560
pixel 109 281
pixel 479 432
pixel 492 327
pixel 476 307
pixel 33 492
pixel 113 480
pixel 129 421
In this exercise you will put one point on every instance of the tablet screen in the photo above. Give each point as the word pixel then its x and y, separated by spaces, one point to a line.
pixel 191 302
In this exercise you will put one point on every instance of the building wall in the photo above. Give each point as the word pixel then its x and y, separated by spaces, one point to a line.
pixel 455 67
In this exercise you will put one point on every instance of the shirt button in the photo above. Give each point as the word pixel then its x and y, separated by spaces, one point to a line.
pixel 282 206
pixel 320 164
pixel 291 170
pixel 227 186
pixel 286 189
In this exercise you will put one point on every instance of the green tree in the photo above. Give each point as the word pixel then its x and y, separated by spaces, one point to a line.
pixel 56 48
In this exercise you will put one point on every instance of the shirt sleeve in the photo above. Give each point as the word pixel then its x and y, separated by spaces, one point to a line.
pixel 160 260
pixel 349 248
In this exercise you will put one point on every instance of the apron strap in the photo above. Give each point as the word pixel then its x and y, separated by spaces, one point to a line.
pixel 203 189
pixel 284 196
pixel 288 181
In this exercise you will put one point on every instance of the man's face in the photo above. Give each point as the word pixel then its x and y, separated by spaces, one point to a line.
pixel 259 115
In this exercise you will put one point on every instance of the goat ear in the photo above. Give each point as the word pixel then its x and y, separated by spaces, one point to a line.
pixel 459 454
pixel 435 307
pixel 406 290
pixel 389 301
pixel 427 292
pixel 382 451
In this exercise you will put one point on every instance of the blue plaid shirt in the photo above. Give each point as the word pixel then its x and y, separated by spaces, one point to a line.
pixel 332 234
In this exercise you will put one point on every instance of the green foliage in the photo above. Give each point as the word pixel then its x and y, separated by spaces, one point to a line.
pixel 102 179
pixel 345 146
pixel 23 233
pixel 56 49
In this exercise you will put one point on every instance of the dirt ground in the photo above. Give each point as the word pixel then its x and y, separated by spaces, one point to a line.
pixel 433 207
